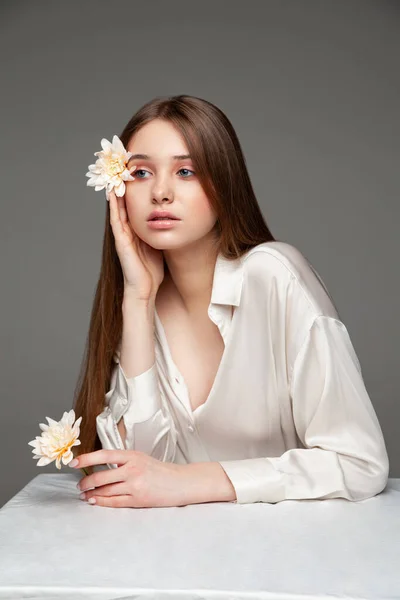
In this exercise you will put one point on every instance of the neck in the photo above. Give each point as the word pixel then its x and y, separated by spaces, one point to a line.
pixel 189 274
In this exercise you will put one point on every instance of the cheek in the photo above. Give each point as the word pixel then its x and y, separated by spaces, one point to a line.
pixel 203 210
pixel 133 202
pixel 132 214
pixel 129 195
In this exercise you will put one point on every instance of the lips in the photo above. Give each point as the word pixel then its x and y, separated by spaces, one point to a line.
pixel 161 215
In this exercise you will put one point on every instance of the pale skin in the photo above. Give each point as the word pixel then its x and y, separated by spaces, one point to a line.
pixel 141 481
pixel 181 297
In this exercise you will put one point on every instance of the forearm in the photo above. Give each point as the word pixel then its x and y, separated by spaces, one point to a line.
pixel 137 343
pixel 206 482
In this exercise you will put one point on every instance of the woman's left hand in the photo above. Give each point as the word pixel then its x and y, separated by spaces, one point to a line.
pixel 140 481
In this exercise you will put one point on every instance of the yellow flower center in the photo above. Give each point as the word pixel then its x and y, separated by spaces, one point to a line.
pixel 115 166
pixel 64 449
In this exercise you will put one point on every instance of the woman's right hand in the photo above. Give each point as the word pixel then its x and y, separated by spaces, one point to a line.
pixel 142 265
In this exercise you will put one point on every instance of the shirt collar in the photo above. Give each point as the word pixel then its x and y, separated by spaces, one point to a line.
pixel 226 289
pixel 227 281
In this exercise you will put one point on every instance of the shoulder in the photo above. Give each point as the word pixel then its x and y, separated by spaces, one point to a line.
pixel 284 267
pixel 280 258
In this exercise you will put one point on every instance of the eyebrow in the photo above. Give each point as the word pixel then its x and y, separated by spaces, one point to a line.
pixel 147 157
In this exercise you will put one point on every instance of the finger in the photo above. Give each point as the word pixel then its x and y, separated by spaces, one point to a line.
pixel 114 501
pixel 113 489
pixel 114 213
pixel 102 457
pixel 101 478
pixel 122 209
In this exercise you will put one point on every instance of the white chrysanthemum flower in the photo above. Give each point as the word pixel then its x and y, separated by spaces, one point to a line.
pixel 57 439
pixel 109 170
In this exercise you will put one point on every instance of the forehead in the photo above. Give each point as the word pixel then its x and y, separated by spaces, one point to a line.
pixel 158 139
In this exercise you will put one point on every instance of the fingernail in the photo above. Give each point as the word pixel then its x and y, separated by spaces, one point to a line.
pixel 92 500
pixel 73 463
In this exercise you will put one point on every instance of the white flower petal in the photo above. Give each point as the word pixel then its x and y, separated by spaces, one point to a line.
pixel 44 461
pixel 75 429
pixel 120 189
pixel 95 177
pixel 96 169
pixel 105 144
pixel 93 173
pixel 67 457
pixel 126 176
pixel 70 417
pixel 64 421
pixel 118 145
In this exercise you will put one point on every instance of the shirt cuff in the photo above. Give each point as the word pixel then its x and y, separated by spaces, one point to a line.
pixel 140 395
pixel 255 480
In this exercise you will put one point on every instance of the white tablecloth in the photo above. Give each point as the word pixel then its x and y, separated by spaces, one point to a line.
pixel 53 545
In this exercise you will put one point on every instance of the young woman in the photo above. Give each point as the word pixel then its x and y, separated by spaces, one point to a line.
pixel 212 346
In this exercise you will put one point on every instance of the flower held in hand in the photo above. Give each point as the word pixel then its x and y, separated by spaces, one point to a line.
pixel 110 170
pixel 56 441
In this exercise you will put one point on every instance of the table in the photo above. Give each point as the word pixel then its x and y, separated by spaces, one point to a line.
pixel 55 546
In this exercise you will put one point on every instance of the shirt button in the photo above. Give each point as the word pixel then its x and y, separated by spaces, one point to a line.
pixel 191 428
pixel 124 401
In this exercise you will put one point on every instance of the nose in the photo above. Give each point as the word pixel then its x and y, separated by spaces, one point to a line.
pixel 162 200
pixel 161 190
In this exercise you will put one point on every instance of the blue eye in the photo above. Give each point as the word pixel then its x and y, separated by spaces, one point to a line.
pixel 135 173
pixel 186 170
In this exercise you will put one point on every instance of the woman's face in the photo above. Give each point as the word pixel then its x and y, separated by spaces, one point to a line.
pixel 163 182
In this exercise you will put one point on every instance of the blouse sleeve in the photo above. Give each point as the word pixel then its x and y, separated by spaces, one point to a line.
pixel 149 425
pixel 344 454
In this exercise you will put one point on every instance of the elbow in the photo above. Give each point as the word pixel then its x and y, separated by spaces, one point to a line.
pixel 381 474
pixel 365 478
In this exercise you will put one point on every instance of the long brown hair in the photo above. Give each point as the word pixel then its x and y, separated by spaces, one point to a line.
pixel 221 168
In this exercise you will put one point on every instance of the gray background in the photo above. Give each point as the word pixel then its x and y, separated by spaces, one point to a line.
pixel 312 88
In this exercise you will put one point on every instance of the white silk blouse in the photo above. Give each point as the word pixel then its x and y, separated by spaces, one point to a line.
pixel 288 416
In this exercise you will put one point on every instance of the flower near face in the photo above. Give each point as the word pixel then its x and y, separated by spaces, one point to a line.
pixel 110 170
pixel 56 440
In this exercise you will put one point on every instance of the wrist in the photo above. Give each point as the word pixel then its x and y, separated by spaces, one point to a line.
pixel 131 300
pixel 206 482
